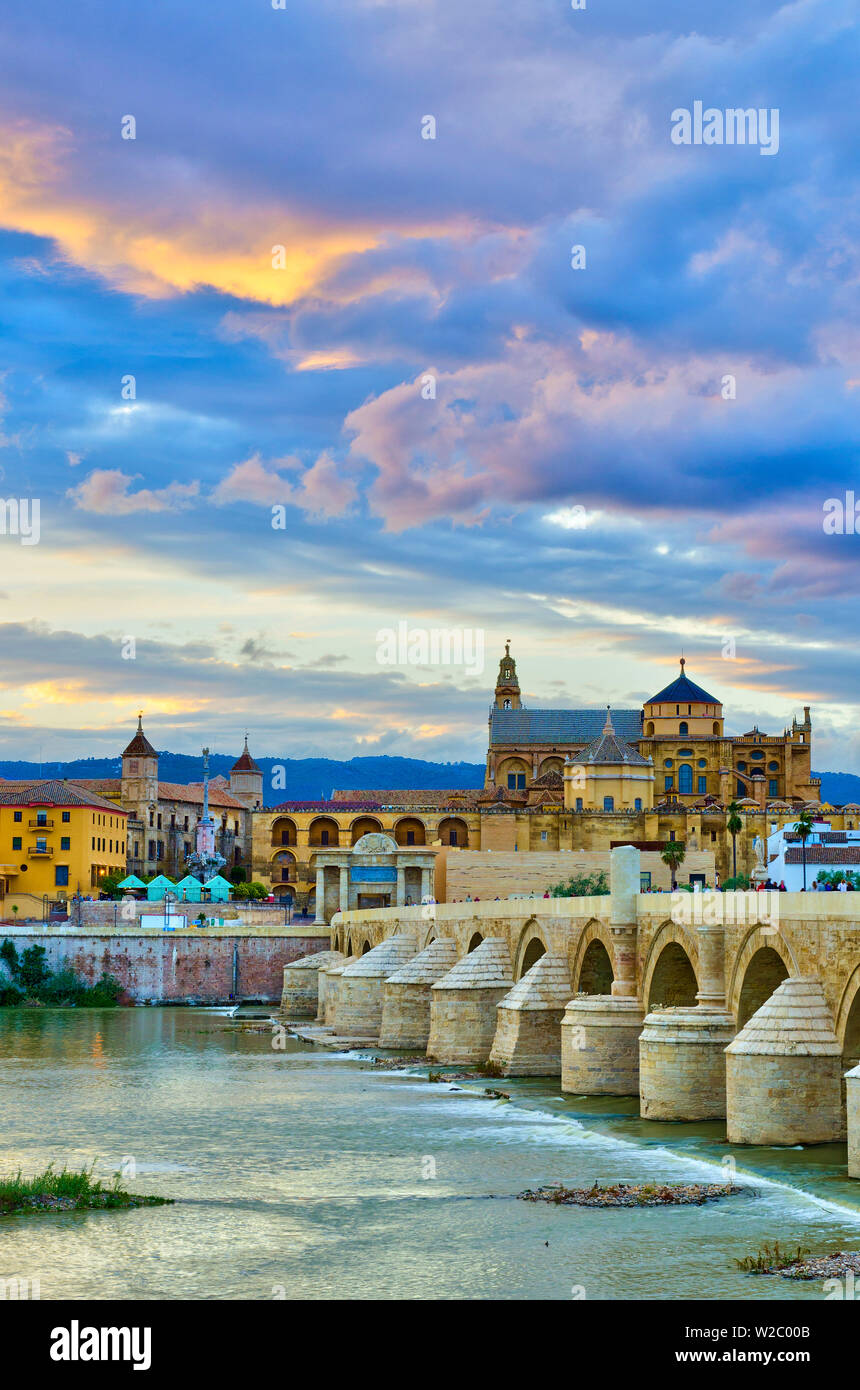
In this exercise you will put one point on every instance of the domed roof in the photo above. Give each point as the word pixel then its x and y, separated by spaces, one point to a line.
pixel 683 690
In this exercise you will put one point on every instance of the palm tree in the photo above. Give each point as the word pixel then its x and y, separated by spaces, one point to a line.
pixel 803 827
pixel 734 824
pixel 673 853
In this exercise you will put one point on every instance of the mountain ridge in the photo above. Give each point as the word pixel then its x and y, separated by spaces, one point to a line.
pixel 314 779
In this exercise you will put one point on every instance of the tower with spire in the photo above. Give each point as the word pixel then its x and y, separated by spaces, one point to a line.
pixel 507 685
pixel 246 781
pixel 139 770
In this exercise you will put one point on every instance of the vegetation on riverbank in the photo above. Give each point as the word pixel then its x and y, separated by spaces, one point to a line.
pixel 624 1194
pixel 31 982
pixel 62 1190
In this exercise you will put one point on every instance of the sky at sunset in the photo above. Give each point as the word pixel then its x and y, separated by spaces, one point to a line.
pixel 459 428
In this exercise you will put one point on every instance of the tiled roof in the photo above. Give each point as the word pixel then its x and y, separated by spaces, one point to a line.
pixel 431 797
pixel 140 746
pixel 824 854
pixel 330 807
pixel 608 749
pixel 192 792
pixel 560 726
pixel 245 763
pixel 54 793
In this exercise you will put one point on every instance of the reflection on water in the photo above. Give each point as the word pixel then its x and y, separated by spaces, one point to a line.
pixel 301 1171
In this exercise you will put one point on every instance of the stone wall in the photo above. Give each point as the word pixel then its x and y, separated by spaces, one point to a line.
pixel 197 966
pixel 477 873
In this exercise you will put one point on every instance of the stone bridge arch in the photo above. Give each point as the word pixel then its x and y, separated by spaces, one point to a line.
pixel 671 968
pixel 532 944
pixel 588 965
pixel 848 1020
pixel 763 960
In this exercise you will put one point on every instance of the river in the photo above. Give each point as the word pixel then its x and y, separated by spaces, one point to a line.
pixel 301 1173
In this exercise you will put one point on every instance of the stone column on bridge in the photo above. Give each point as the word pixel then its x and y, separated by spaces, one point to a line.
pixel 425 884
pixel 600 1033
pixel 852 1087
pixel 682 1062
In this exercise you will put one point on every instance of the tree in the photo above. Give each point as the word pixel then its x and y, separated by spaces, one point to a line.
pixel 803 828
pixel 734 825
pixel 673 853
pixel 582 886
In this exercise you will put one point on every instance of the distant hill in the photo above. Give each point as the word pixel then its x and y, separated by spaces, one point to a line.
pixel 314 779
pixel 307 779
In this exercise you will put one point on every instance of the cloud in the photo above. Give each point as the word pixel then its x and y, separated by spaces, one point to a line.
pixel 322 490
pixel 106 492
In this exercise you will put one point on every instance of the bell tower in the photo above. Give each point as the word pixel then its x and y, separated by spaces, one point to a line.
pixel 139 770
pixel 246 781
pixel 507 685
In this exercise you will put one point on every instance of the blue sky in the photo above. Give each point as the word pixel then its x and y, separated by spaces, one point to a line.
pixel 575 480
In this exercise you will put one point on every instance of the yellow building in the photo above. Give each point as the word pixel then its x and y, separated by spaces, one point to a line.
pixel 55 840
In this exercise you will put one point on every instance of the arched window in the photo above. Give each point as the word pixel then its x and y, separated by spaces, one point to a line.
pixel 685 778
pixel 683 728
pixel 506 704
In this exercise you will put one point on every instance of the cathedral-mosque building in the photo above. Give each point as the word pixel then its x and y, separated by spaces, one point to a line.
pixel 581 780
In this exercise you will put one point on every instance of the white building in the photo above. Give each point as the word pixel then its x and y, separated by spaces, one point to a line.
pixel 826 849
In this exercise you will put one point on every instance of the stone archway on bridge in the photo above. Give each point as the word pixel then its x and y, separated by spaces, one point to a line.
pixel 595 975
pixel 530 947
pixel 474 943
pixel 766 976
pixel 848 1021
pixel 671 969
pixel 594 931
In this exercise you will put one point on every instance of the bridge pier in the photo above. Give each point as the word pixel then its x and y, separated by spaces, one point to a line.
pixel 300 996
pixel 784 1071
pixel 359 1005
pixel 682 1063
pixel 329 990
pixel 528 1020
pixel 600 1046
pixel 463 1005
pixel 406 995
pixel 852 1086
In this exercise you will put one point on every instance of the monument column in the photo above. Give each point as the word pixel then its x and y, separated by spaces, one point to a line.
pixel 425 884
pixel 401 886
pixel 319 900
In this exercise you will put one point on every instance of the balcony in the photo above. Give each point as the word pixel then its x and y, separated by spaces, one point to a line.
pixel 41 824
pixel 40 851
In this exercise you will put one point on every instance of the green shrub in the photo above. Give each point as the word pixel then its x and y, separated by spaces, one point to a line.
pixel 582 886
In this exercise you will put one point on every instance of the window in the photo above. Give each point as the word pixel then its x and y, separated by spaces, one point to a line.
pixel 685 752
pixel 151 850
pixel 773 767
pixel 151 819
pixel 671 834
pixel 644 881
pixel 94 842
pixel 668 763
pixel 159 823
pixel 41 818
pixel 16 843
pixel 773 787
pixel 136 848
pixel 543 834
pixel 17 815
pixel 506 704
pixel 516 781
pixel 186 847
pixel 41 844
pixel 685 778
pixel 683 728
pixel 579 803
pixel 703 762
pixel 757 754
pixel 668 782
pixel 637 806
pixel 65 843
pixel 453 837
pixel 160 849
pixel 61 875
pixel 702 784
pixel 323 837
pixel 185 824
pixel 67 816
pixel 173 822
pixel 742 791
pixel 742 767
pixel 609 803
pixel 410 837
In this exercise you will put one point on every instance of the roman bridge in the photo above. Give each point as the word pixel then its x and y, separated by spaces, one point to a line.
pixel 706 1005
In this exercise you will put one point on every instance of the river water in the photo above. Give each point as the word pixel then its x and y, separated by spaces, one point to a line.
pixel 300 1173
